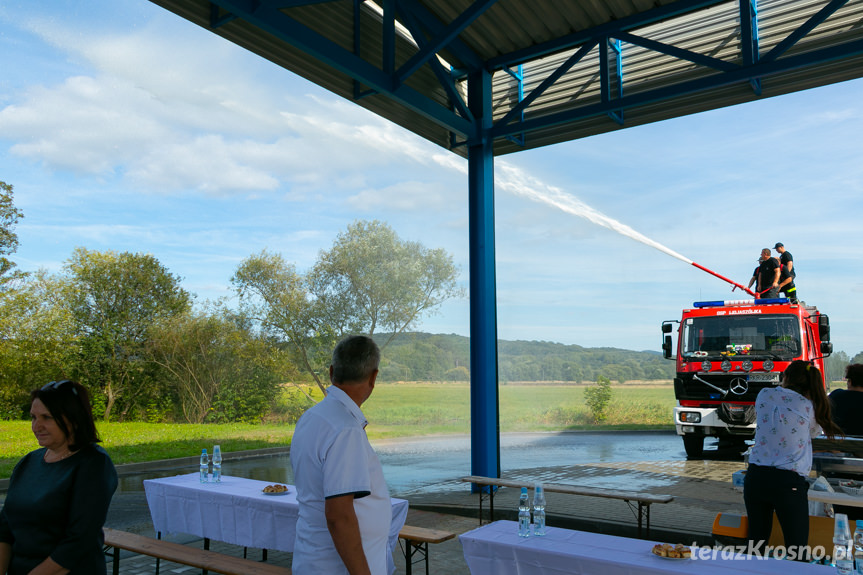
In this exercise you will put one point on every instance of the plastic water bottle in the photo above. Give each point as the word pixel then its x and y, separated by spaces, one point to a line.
pixel 843 554
pixel 523 514
pixel 538 510
pixel 217 464
pixel 205 464
pixel 858 547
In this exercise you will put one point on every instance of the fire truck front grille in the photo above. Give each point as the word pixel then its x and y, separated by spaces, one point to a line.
pixel 712 388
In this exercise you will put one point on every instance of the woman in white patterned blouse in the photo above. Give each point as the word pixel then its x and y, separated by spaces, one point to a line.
pixel 787 418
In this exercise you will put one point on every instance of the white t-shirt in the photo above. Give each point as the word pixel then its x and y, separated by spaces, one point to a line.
pixel 785 424
pixel 331 456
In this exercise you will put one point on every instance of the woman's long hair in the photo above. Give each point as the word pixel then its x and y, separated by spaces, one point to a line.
pixel 69 405
pixel 804 378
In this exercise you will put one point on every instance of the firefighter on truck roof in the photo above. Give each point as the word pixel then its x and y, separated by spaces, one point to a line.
pixel 766 276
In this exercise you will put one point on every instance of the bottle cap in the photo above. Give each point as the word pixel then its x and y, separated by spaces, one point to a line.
pixel 860 524
pixel 524 490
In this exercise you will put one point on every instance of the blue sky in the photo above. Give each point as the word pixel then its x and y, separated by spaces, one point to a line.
pixel 124 127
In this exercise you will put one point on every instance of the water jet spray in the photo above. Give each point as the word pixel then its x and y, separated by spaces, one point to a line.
pixel 522 184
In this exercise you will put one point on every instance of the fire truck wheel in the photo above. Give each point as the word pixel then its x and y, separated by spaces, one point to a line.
pixel 694 445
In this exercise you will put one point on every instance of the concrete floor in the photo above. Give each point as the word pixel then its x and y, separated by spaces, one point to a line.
pixel 701 489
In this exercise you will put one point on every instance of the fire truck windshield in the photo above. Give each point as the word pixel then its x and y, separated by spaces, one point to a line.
pixel 776 336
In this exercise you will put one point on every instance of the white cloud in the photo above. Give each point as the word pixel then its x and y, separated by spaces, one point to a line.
pixel 404 196
pixel 207 163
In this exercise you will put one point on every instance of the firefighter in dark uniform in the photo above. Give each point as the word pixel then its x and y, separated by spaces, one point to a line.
pixel 768 275
pixel 786 284
pixel 785 258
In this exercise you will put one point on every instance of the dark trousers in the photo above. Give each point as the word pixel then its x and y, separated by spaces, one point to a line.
pixel 768 489
pixel 770 293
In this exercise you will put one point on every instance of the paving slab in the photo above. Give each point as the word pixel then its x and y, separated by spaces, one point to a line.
pixel 701 489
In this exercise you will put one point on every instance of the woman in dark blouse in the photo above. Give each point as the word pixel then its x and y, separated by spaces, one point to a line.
pixel 58 496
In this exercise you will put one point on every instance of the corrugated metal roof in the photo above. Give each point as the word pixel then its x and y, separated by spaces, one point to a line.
pixel 677 57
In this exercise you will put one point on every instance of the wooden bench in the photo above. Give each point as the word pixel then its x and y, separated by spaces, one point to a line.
pixel 643 500
pixel 186 555
pixel 417 540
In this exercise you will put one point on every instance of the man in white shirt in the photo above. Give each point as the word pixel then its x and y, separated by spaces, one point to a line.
pixel 345 508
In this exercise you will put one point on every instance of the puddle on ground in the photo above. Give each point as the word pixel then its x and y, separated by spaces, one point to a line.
pixel 710 470
pixel 608 478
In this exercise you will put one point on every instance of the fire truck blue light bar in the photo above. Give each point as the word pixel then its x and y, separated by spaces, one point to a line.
pixel 739 302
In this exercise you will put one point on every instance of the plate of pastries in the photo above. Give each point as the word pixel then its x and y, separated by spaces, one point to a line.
pixel 669 551
pixel 276 489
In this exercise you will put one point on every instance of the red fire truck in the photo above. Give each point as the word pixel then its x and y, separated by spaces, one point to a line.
pixel 727 351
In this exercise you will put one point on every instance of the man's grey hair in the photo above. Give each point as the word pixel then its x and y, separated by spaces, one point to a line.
pixel 355 358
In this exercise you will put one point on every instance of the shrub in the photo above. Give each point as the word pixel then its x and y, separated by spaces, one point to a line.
pixel 597 397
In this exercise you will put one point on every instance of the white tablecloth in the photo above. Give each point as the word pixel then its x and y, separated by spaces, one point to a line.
pixel 496 549
pixel 235 511
pixel 836 498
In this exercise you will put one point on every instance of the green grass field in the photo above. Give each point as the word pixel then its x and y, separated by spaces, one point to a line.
pixel 417 409
pixel 394 410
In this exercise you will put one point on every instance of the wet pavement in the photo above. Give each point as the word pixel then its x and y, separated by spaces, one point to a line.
pixel 701 489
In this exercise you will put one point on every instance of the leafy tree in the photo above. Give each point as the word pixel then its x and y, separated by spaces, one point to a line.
pixel 9 216
pixel 597 397
pixel 369 280
pixel 214 362
pixel 620 373
pixel 273 292
pixel 115 300
pixel 460 373
pixel 835 365
pixel 36 340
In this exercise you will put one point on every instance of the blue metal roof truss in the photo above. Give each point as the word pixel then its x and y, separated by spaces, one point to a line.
pixel 433 36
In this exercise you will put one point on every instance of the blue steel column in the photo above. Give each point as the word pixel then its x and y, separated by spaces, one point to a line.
pixel 485 429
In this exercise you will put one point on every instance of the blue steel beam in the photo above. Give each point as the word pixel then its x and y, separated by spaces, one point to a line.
pixel 277 23
pixel 748 10
pixel 388 57
pixel 610 29
pixel 545 84
pixel 446 79
pixel 749 49
pixel 605 75
pixel 742 74
pixel 804 29
pixel 618 67
pixel 459 121
pixel 730 71
pixel 442 39
pixel 674 51
pixel 518 76
pixel 431 23
pixel 439 37
pixel 217 20
pixel 484 420
pixel 358 91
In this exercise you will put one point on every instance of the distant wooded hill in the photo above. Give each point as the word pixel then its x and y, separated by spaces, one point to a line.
pixel 438 357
